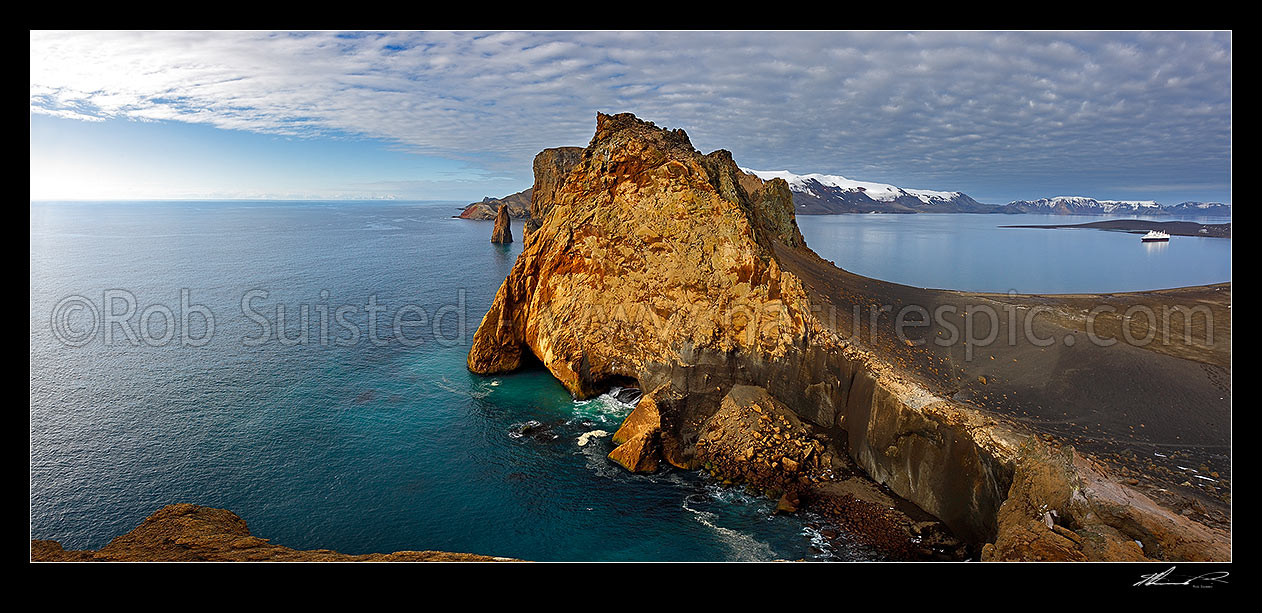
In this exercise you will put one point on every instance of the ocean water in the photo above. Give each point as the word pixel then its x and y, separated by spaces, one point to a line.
pixel 367 433
pixel 972 252
pixel 374 442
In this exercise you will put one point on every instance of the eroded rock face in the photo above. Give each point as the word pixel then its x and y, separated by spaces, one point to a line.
pixel 186 533
pixel 503 231
pixel 551 167
pixel 649 250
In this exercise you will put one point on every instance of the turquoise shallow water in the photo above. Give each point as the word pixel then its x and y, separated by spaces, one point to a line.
pixel 355 446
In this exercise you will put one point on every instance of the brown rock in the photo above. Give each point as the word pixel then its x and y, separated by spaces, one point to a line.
pixel 638 438
pixel 639 454
pixel 551 168
pixel 731 439
pixel 788 503
pixel 503 231
pixel 186 532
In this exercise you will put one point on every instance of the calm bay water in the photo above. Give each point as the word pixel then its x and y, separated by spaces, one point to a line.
pixel 376 443
pixel 971 252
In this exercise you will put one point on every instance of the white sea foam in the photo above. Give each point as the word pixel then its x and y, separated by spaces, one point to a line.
pixel 586 437
pixel 744 547
pixel 603 409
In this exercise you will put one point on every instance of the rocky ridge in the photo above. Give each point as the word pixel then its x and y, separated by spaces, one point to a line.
pixel 656 265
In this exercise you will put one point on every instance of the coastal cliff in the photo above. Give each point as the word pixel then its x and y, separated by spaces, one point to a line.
pixel 191 533
pixel 655 265
pixel 551 167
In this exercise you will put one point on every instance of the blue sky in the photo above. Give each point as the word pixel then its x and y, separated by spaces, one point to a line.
pixel 458 116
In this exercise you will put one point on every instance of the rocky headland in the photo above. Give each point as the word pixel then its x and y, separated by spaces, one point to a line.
pixel 518 207
pixel 647 263
pixel 191 533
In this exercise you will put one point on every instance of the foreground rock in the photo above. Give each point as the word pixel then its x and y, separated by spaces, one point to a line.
pixel 503 231
pixel 658 266
pixel 189 533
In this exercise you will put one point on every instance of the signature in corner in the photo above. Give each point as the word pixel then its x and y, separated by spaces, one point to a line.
pixel 1218 576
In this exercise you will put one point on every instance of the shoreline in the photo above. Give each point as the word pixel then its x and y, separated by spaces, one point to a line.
pixel 1141 226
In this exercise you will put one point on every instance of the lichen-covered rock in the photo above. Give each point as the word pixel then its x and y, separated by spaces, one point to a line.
pixel 503 231
pixel 186 533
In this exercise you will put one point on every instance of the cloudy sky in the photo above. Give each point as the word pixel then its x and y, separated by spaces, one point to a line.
pixel 434 115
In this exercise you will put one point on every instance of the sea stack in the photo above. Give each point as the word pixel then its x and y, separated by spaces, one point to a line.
pixel 503 232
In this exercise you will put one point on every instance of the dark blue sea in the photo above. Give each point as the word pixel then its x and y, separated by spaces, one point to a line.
pixel 377 443
pixel 303 364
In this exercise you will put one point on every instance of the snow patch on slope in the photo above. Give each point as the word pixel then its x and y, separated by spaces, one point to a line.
pixel 876 191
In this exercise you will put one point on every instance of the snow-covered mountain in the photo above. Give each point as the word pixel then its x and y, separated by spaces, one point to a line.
pixel 820 194
pixel 1199 208
pixel 1079 205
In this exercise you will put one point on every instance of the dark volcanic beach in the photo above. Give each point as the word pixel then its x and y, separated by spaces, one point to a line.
pixel 1157 412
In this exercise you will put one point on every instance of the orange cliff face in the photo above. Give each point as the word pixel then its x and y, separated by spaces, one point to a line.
pixel 647 250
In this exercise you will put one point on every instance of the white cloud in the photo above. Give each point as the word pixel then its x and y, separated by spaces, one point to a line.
pixel 913 108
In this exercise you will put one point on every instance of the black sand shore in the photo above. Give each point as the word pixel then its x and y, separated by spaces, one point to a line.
pixel 1157 411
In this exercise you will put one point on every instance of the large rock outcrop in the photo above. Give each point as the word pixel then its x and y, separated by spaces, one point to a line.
pixel 648 250
pixel 191 533
pixel 658 265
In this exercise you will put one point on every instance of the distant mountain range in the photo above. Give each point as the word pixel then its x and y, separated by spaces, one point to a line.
pixel 1078 205
pixel 820 194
